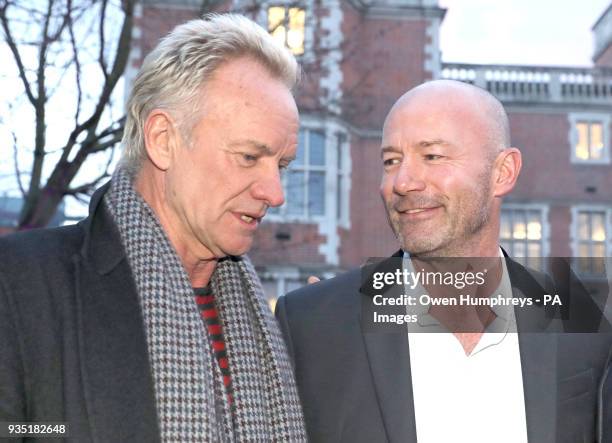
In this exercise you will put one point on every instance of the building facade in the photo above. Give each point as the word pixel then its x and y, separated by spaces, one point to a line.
pixel 358 57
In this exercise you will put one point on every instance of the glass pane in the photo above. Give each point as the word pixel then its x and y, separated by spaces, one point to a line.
pixel 520 230
pixel 582 144
pixel 584 264
pixel 599 265
pixel 316 193
pixel 519 249
pixel 276 19
pixel 596 141
pixel 598 231
pixel 317 148
pixel 534 226
pixel 295 37
pixel 301 151
pixel 583 250
pixel 505 229
pixel 534 249
pixel 535 263
pixel 295 192
pixel 507 246
pixel 598 250
pixel 583 226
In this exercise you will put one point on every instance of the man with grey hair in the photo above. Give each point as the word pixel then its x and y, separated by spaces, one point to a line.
pixel 444 371
pixel 146 322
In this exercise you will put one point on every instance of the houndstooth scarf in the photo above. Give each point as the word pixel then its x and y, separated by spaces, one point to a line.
pixel 189 391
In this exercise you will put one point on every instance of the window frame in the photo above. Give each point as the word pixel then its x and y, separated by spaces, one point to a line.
pixel 575 232
pixel 589 118
pixel 544 241
pixel 337 182
pixel 307 7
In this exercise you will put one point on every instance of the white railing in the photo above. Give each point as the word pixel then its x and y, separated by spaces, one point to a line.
pixel 536 83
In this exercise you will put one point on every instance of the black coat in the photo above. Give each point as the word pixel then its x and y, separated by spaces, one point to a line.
pixel 72 342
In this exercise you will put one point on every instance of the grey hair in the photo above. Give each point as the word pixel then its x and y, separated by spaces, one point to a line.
pixel 173 74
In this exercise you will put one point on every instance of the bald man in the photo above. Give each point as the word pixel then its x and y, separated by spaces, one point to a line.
pixel 447 163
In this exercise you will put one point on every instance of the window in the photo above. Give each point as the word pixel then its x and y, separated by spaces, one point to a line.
pixel 589 145
pixel 589 138
pixel 275 285
pixel 522 234
pixel 304 182
pixel 286 24
pixel 317 184
pixel 342 179
pixel 591 240
pixel 278 281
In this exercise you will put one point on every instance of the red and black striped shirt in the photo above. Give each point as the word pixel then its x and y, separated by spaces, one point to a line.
pixel 206 302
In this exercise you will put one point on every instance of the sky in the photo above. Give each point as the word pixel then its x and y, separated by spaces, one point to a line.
pixel 526 32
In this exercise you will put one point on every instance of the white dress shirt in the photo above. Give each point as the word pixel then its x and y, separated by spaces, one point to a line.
pixel 468 398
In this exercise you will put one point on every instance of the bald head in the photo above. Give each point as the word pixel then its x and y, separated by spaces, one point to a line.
pixel 466 103
pixel 447 162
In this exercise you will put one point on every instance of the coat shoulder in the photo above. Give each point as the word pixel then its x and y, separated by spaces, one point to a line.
pixel 326 303
pixel 341 286
pixel 28 251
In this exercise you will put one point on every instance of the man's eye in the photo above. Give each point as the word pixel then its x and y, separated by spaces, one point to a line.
pixel 432 157
pixel 391 161
pixel 248 159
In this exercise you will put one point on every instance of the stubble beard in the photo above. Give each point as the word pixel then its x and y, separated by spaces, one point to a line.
pixel 456 236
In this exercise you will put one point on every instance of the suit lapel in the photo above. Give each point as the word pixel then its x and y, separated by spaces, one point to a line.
pixel 389 359
pixel 117 379
pixel 390 366
pixel 538 349
pixel 539 367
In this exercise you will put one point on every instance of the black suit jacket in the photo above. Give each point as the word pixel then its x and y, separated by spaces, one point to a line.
pixel 356 386
pixel 72 343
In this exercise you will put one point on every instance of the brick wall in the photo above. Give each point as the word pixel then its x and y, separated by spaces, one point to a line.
pixel 370 234
pixel 383 59
pixel 605 58
pixel 547 171
pixel 301 248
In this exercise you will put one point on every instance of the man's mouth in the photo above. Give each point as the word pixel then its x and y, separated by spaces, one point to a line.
pixel 417 214
pixel 417 210
pixel 250 218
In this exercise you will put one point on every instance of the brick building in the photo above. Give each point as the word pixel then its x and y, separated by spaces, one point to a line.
pixel 358 57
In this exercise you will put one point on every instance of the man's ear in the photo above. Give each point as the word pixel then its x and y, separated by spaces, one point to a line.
pixel 506 171
pixel 160 138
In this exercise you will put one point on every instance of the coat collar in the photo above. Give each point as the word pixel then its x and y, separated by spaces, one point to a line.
pixel 102 244
pixel 117 381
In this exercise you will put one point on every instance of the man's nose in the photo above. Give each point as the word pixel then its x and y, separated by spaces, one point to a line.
pixel 409 177
pixel 269 188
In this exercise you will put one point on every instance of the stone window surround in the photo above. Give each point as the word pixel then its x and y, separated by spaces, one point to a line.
pixel 574 238
pixel 543 209
pixel 590 117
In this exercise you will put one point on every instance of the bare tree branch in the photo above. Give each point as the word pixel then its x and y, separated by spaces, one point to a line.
pixel 88 188
pixel 16 164
pixel 77 69
pixel 10 41
pixel 101 59
pixel 123 49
